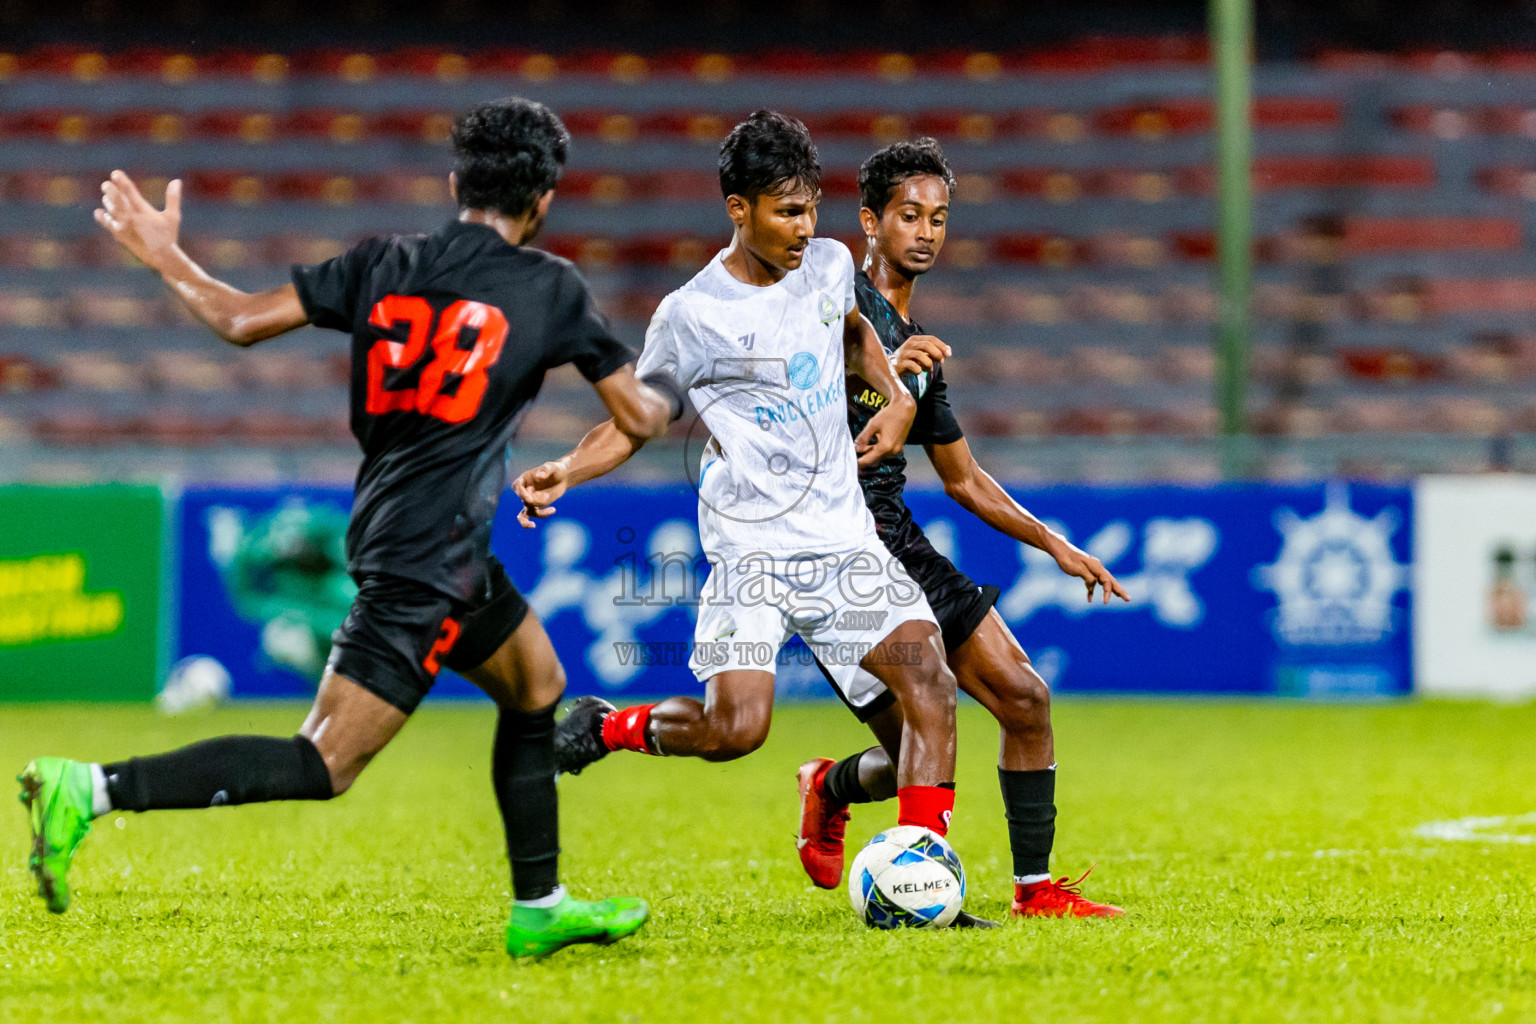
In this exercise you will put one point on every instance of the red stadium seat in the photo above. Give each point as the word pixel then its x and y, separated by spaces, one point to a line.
pixel 426 126
pixel 282 371
pixel 189 371
pixel 274 428
pixel 1186 419
pixel 1463 414
pixel 1364 235
pixel 1507 180
pixel 28 309
pixel 20 374
pixel 1354 62
pixel 1313 172
pixel 181 428
pixel 82 427
pixel 1501 295
pixel 69 127
pixel 1442 63
pixel 1051 251
pixel 1390 364
pixel 675 186
pixel 253 127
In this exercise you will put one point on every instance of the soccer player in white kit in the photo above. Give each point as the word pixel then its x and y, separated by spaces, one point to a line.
pixel 761 340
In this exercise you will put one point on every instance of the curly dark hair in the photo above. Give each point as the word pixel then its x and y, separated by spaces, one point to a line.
pixel 507 154
pixel 889 167
pixel 768 154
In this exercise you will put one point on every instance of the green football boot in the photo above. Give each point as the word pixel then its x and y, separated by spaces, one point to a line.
pixel 538 931
pixel 58 795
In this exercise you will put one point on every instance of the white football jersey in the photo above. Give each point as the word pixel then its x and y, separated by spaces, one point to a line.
pixel 764 369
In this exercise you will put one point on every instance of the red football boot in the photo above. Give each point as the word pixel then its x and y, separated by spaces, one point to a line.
pixel 822 823
pixel 1060 898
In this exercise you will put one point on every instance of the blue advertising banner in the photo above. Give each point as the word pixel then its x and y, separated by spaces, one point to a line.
pixel 1248 588
pixel 263 582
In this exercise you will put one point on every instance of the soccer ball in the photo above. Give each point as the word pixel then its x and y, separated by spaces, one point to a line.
pixel 194 683
pixel 907 877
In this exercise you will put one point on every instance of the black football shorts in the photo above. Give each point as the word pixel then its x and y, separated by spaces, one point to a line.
pixel 400 632
pixel 958 602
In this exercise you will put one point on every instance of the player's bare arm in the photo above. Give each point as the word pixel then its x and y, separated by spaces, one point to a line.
pixel 153 236
pixel 604 449
pixel 974 489
pixel 886 431
pixel 642 411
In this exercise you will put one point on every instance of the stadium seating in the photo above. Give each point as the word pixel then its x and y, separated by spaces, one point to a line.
pixel 1394 275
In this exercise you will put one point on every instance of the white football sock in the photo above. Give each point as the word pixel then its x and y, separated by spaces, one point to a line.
pixel 101 803
pixel 544 902
pixel 1031 879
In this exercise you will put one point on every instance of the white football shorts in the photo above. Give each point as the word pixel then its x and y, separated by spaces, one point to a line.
pixel 841 605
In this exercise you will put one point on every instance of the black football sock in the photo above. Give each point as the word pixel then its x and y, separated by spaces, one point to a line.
pixel 227 770
pixel 523 770
pixel 1029 801
pixel 841 782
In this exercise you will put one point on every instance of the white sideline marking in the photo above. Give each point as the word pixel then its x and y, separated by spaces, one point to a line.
pixel 1476 830
pixel 1411 851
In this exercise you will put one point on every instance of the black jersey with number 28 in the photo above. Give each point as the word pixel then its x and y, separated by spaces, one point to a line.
pixel 934 424
pixel 452 333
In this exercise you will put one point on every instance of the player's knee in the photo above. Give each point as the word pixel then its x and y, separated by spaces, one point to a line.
pixel 931 688
pixel 542 691
pixel 1024 703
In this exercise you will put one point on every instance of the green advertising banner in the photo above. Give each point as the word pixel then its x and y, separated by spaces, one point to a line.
pixel 81 574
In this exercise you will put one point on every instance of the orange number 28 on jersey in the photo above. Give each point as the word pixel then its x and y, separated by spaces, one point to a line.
pixel 452 383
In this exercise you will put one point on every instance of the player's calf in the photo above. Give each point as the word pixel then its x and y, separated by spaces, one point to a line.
pixel 925 692
pixel 730 723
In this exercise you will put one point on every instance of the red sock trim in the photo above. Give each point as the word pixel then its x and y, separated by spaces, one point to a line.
pixel 625 729
pixel 927 806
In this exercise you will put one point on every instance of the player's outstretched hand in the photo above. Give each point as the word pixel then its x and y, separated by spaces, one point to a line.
pixel 886 430
pixel 919 353
pixel 539 488
pixel 1074 561
pixel 134 223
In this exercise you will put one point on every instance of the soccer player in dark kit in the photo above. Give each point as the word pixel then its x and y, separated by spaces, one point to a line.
pixel 452 333
pixel 905 190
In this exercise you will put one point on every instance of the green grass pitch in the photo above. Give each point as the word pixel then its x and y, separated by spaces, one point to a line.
pixel 1266 855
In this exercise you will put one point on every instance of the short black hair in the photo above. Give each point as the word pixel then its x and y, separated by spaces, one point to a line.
pixel 507 154
pixel 768 153
pixel 889 167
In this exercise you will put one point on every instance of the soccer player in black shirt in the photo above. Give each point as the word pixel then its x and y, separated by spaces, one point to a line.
pixel 905 191
pixel 452 333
